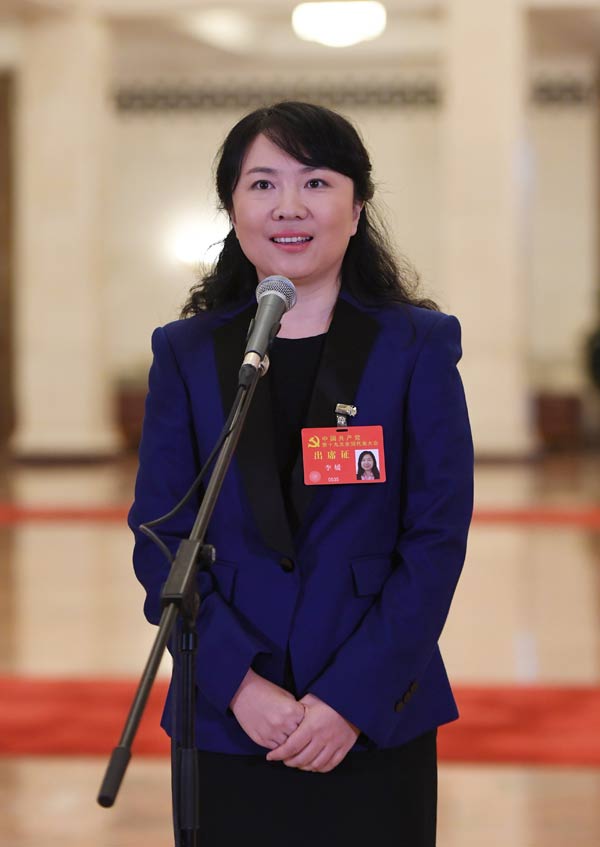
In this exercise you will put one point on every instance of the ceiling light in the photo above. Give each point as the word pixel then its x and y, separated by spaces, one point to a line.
pixel 339 24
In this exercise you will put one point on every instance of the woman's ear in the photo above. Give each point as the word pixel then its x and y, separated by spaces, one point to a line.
pixel 356 210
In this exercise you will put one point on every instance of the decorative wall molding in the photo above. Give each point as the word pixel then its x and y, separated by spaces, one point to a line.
pixel 186 98
pixel 566 91
pixel 421 94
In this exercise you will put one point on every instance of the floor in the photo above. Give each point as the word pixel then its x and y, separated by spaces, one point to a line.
pixel 527 610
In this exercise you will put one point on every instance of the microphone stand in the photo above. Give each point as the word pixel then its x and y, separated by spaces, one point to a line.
pixel 180 597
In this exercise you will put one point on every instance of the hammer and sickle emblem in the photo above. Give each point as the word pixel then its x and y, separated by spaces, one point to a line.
pixel 314 441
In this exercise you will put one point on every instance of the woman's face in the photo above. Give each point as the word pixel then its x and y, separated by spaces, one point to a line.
pixel 291 219
pixel 366 462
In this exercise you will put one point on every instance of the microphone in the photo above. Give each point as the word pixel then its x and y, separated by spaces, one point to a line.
pixel 275 295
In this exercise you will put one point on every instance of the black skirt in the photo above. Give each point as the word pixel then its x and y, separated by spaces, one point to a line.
pixel 386 798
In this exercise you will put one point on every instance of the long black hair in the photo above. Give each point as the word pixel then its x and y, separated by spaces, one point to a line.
pixel 317 137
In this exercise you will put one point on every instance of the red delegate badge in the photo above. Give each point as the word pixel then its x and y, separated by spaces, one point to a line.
pixel 338 456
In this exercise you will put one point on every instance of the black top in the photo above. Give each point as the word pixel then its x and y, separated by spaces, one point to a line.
pixel 292 371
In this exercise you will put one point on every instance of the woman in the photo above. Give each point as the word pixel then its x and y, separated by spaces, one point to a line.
pixel 320 683
pixel 366 466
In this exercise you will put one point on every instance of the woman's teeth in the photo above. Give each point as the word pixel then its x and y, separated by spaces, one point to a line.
pixel 296 239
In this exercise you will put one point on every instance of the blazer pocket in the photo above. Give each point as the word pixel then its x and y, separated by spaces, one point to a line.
pixel 369 573
pixel 224 574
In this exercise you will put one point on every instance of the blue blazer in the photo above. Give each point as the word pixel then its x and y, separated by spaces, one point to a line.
pixel 358 596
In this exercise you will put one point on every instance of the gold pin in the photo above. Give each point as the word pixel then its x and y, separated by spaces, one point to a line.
pixel 342 411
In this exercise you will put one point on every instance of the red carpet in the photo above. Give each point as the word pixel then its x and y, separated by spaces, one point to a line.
pixel 41 716
pixel 11 514
pixel 510 724
pixel 526 724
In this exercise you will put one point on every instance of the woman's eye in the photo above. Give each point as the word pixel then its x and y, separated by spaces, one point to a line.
pixel 261 184
pixel 316 183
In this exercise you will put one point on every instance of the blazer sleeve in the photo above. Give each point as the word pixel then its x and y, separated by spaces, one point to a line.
pixel 168 464
pixel 385 656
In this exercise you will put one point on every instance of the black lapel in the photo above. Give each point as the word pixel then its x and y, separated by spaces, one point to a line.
pixel 255 454
pixel 349 341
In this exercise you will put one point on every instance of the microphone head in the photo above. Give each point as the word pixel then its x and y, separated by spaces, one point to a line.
pixel 279 285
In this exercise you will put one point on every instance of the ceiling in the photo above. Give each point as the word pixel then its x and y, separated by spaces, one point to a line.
pixel 170 38
pixel 264 35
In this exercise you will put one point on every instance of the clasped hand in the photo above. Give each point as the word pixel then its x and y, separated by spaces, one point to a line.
pixel 307 734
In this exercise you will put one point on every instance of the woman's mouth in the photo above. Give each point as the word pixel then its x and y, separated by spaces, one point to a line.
pixel 291 239
pixel 291 243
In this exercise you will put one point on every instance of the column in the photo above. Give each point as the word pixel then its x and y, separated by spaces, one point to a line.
pixel 484 212
pixel 63 404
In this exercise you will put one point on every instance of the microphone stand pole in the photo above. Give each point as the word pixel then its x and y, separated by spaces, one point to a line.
pixel 180 597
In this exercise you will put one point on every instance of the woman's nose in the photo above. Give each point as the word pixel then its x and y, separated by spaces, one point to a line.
pixel 289 206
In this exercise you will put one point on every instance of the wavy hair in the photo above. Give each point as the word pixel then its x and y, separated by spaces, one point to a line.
pixel 316 137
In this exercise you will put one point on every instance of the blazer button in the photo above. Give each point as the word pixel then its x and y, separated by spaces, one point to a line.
pixel 413 687
pixel 399 706
pixel 286 564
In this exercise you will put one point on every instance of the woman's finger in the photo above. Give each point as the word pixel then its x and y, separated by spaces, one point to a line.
pixel 277 740
pixel 292 724
pixel 320 762
pixel 305 757
pixel 337 758
pixel 293 745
